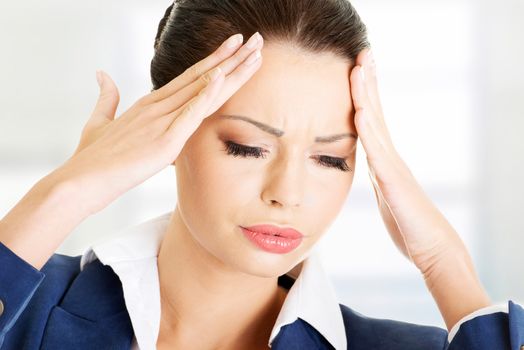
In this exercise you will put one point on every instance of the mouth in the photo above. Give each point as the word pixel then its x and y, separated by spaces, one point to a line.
pixel 273 230
pixel 273 239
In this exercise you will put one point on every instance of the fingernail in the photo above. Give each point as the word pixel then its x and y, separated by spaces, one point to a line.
pixel 362 74
pixel 251 43
pixel 99 78
pixel 234 41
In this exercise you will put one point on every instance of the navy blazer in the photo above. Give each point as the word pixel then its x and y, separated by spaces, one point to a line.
pixel 61 307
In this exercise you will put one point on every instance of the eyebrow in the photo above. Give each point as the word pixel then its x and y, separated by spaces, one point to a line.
pixel 278 133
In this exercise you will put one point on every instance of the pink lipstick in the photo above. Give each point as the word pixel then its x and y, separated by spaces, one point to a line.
pixel 273 239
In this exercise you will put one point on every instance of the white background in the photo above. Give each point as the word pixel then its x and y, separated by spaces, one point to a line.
pixel 451 80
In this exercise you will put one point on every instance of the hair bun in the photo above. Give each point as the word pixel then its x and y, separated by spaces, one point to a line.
pixel 162 24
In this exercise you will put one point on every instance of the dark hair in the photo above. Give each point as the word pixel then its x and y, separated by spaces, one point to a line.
pixel 192 29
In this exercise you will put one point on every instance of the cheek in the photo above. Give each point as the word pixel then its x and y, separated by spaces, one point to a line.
pixel 216 184
pixel 330 199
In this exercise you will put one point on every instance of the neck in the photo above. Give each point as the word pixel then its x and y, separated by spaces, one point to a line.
pixel 200 295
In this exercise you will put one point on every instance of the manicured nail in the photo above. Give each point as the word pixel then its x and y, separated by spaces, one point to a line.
pixel 252 42
pixel 362 74
pixel 234 41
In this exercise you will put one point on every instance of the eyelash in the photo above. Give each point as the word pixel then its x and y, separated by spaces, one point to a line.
pixel 236 149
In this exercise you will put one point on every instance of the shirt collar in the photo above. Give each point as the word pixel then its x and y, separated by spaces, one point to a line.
pixel 132 254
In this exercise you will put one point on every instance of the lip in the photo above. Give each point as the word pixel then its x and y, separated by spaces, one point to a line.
pixel 272 238
pixel 273 230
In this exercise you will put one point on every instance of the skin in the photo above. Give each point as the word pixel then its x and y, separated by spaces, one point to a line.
pixel 305 96
pixel 222 274
pixel 414 223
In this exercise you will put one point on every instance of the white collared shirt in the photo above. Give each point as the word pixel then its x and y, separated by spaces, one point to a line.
pixel 133 257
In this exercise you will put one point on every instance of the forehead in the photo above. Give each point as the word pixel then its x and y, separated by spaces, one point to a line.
pixel 292 84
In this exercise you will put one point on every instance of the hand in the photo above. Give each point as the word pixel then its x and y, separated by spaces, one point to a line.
pixel 415 225
pixel 114 155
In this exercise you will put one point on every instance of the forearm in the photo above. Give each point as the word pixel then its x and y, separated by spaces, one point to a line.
pixel 36 226
pixel 454 284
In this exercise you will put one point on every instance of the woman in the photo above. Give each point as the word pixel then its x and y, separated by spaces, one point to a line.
pixel 263 136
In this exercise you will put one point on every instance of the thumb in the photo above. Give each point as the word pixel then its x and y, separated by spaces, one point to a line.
pixel 108 99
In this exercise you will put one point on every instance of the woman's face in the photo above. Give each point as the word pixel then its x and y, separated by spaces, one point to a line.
pixel 304 96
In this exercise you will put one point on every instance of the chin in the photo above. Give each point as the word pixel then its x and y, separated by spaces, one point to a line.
pixel 266 265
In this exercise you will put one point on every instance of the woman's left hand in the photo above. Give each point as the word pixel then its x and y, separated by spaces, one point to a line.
pixel 416 226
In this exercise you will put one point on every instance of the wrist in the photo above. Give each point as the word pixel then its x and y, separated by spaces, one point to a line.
pixel 68 191
pixel 36 226
pixel 454 285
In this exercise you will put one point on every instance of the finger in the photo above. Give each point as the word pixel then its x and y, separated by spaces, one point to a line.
pixel 364 119
pixel 365 58
pixel 240 73
pixel 255 42
pixel 368 119
pixel 222 53
pixel 195 110
pixel 231 84
pixel 108 100
pixel 359 93
pixel 178 126
pixel 236 79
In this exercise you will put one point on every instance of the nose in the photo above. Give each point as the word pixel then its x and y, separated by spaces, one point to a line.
pixel 285 183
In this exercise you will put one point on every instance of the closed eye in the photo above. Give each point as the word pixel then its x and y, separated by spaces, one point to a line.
pixel 238 150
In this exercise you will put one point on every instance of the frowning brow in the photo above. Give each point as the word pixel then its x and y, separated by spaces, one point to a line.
pixel 278 133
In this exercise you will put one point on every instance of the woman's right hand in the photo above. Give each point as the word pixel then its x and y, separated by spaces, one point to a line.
pixel 115 155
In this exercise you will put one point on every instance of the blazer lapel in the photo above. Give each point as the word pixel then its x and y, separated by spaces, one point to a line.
pixel 92 314
pixel 300 335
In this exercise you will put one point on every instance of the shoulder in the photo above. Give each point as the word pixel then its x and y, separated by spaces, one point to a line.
pixel 365 332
